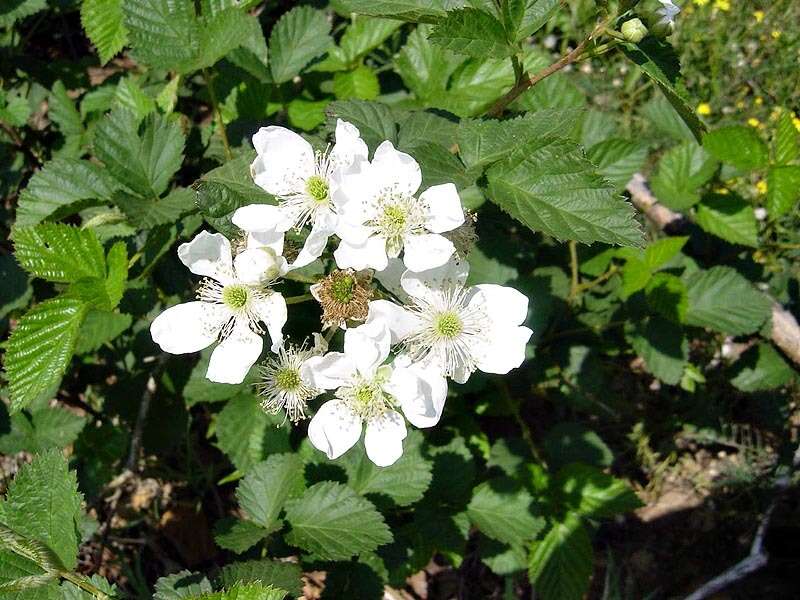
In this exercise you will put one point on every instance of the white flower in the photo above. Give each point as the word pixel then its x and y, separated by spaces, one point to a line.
pixel 382 216
pixel 367 391
pixel 305 183
pixel 233 300
pixel 455 329
pixel 283 385
pixel 668 11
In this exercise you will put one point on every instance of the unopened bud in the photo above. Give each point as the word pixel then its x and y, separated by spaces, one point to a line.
pixel 634 30
pixel 256 266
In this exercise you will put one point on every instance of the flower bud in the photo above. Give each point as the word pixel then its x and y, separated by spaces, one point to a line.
pixel 634 30
pixel 256 266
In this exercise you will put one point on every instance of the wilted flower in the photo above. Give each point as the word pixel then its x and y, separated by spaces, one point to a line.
pixel 344 296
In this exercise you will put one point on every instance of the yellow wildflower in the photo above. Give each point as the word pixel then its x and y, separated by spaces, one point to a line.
pixel 796 122
pixel 704 109
pixel 759 101
pixel 761 186
pixel 759 16
pixel 753 122
pixel 722 4
pixel 700 2
pixel 775 34
pixel 722 191
pixel 740 104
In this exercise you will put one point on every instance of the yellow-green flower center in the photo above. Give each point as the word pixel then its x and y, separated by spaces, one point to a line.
pixel 287 379
pixel 448 324
pixel 364 394
pixel 235 296
pixel 317 188
pixel 342 289
pixel 393 220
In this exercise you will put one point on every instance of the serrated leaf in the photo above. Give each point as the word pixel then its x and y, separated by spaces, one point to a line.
pixel 19 9
pixel 660 252
pixel 550 186
pixel 658 61
pixel 131 96
pixel 60 188
pixel 364 34
pixel 729 217
pixel 761 368
pixel 501 509
pixel 246 591
pixel 786 141
pixel 737 145
pixel 783 189
pixel 306 114
pixel 40 348
pixel 16 290
pixel 100 327
pixel 722 300
pixel 361 83
pixel 439 165
pixel 570 442
pixel 681 172
pixel 591 493
pixel 299 36
pixel 266 487
pixel 524 17
pixel 220 34
pixel 667 295
pixel 41 430
pixel 284 575
pixel 472 32
pixel 43 504
pixel 333 522
pixel 561 564
pixel 405 482
pixel 663 347
pixel 236 535
pixel 424 67
pixel 618 159
pixel 143 158
pixel 146 213
pixel 247 434
pixel 163 33
pixel 104 25
pixel 666 120
pixel 59 253
pixel 374 120
pixel 181 585
pixel 416 11
pixel 61 109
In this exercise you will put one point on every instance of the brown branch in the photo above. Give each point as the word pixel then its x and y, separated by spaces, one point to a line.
pixel 785 332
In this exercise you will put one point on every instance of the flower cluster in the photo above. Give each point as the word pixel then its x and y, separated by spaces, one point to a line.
pixel 398 292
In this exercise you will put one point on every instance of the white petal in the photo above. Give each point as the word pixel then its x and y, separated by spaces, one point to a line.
pixel 208 254
pixel 421 392
pixel 384 438
pixel 453 273
pixel 272 311
pixel 502 304
pixel 445 212
pixel 397 167
pixel 283 159
pixel 390 277
pixel 352 232
pixel 505 350
pixel 400 321
pixel 370 255
pixel 367 346
pixel 349 146
pixel 271 238
pixel 328 372
pixel 262 217
pixel 324 226
pixel 334 429
pixel 258 265
pixel 427 251
pixel 188 327
pixel 232 359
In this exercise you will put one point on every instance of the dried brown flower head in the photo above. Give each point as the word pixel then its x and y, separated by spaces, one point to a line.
pixel 344 296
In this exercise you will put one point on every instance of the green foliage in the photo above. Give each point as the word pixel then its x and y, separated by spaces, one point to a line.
pixel 681 172
pixel 502 511
pixel 265 489
pixel 104 25
pixel 299 36
pixel 737 145
pixel 59 253
pixel 472 32
pixel 560 565
pixel 728 217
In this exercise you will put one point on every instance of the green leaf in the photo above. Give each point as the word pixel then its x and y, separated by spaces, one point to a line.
pixel 374 120
pixel 220 34
pixel 43 504
pixel 284 575
pixel 618 159
pixel 501 509
pixel 266 487
pixel 660 252
pixel 569 442
pixel 163 33
pixel 16 110
pixel 591 493
pixel 783 189
pixel 247 434
pixel 200 389
pixel 59 253
pixel 236 535
pixel 737 145
pixel 40 348
pixel 729 217
pixel 681 171
pixel 635 275
pixel 786 142
pixel 183 584
pixel 146 213
pixel 561 564
pixel 143 158
pixel 472 32
pixel 100 327
pixel 307 114
pixel 16 290
pixel 525 17
pixel 405 482
pixel 424 67
pixel 722 300
pixel 360 83
pixel 131 96
pixel 299 36
pixel 666 120
pixel 426 127
pixel 667 295
pixel 483 142
pixel 40 430
pixel 246 591
pixel 334 523
pixel 658 61
pixel 663 347
pixel 550 186
pixel 439 165
pixel 761 368
pixel 416 11
pixel 365 34
pixel 19 9
pixel 61 109
pixel 104 25
pixel 60 188
pixel 117 262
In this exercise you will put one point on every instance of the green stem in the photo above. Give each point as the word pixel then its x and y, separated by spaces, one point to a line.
pixel 82 583
pixel 292 276
pixel 513 406
pixel 215 105
pixel 597 281
pixel 299 299
pixel 574 287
